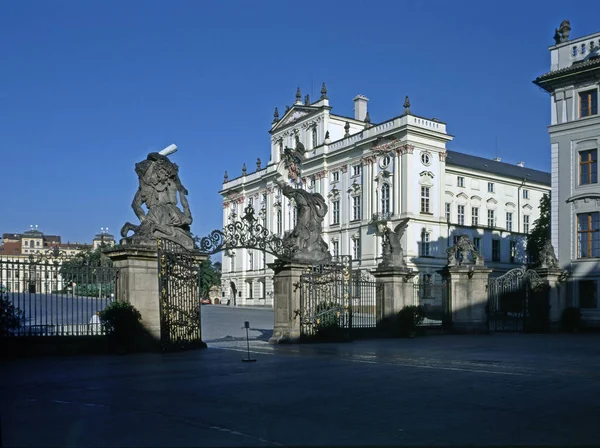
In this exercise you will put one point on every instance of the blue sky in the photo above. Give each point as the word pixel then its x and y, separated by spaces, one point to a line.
pixel 88 88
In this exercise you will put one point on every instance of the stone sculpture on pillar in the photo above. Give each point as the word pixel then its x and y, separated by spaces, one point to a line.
pixel 159 188
pixel 458 255
pixel 393 254
pixel 548 258
pixel 304 242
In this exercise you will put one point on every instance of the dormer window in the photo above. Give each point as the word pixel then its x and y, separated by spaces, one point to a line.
pixel 588 103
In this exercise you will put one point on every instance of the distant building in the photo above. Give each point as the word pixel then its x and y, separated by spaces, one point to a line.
pixel 573 82
pixel 17 249
pixel 398 169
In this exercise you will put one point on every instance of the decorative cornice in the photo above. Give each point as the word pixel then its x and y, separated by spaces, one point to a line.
pixel 240 200
pixel 225 204
pixel 367 160
pixel 443 156
pixel 406 149
pixel 344 168
pixel 321 174
pixel 387 146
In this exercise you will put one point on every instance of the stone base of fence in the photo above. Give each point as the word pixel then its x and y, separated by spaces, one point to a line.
pixel 286 302
pixel 395 290
pixel 469 298
pixel 138 285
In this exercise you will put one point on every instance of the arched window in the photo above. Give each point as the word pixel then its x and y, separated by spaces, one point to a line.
pixel 385 198
pixel 279 223
pixel 314 137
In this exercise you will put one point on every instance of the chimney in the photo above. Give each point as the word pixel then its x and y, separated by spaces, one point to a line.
pixel 360 107
pixel 521 164
pixel 497 159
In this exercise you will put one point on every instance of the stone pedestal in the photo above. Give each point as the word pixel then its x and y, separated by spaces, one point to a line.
pixel 138 283
pixel 469 298
pixel 557 293
pixel 394 292
pixel 286 302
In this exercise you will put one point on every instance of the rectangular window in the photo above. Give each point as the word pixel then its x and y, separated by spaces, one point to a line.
pixel 250 261
pixel 460 181
pixel 491 218
pixel 525 194
pixel 513 251
pixel 356 249
pixel 495 250
pixel 588 167
pixel 448 211
pixel 335 176
pixel 588 294
pixel 490 187
pixel 425 244
pixel 356 170
pixel 474 216
pixel 356 215
pixel 588 103
pixel 335 212
pixel 477 244
pixel 314 137
pixel 424 199
pixel 461 215
pixel 526 224
pixel 509 221
pixel 335 245
pixel 251 202
pixel 279 223
pixel 232 263
pixel 588 235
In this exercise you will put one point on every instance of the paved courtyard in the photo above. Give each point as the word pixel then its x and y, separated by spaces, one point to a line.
pixel 510 389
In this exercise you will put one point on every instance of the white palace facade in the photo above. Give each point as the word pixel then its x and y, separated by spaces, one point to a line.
pixel 399 169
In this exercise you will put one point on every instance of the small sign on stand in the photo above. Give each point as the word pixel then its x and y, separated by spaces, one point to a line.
pixel 247 326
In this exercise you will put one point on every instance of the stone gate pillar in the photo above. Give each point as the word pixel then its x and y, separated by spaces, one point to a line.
pixel 469 298
pixel 286 302
pixel 138 283
pixel 557 293
pixel 394 291
pixel 468 287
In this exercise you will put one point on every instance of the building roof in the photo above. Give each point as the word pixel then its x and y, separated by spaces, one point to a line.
pixel 499 168
pixel 10 249
pixel 591 63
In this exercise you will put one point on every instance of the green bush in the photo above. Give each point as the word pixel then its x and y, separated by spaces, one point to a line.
pixel 571 319
pixel 408 319
pixel 11 317
pixel 121 321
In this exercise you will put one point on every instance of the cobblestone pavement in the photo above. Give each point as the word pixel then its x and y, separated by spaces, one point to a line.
pixel 509 389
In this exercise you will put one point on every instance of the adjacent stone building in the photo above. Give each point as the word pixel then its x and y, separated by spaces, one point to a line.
pixel 397 171
pixel 574 129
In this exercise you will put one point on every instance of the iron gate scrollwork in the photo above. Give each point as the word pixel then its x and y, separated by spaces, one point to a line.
pixel 518 301
pixel 179 290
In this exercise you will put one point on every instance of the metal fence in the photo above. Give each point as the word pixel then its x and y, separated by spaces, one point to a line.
pixel 364 300
pixel 55 297
pixel 433 297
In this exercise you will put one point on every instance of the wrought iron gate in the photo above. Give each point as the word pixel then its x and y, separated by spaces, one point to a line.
pixel 434 298
pixel 179 291
pixel 334 300
pixel 518 301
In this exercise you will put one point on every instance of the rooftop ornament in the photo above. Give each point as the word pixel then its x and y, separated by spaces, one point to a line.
pixel 323 92
pixel 561 34
pixel 406 105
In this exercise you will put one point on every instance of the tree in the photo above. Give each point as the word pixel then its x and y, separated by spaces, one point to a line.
pixel 210 275
pixel 91 272
pixel 540 233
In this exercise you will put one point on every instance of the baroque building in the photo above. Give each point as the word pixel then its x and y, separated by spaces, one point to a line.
pixel 17 273
pixel 398 171
pixel 572 83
